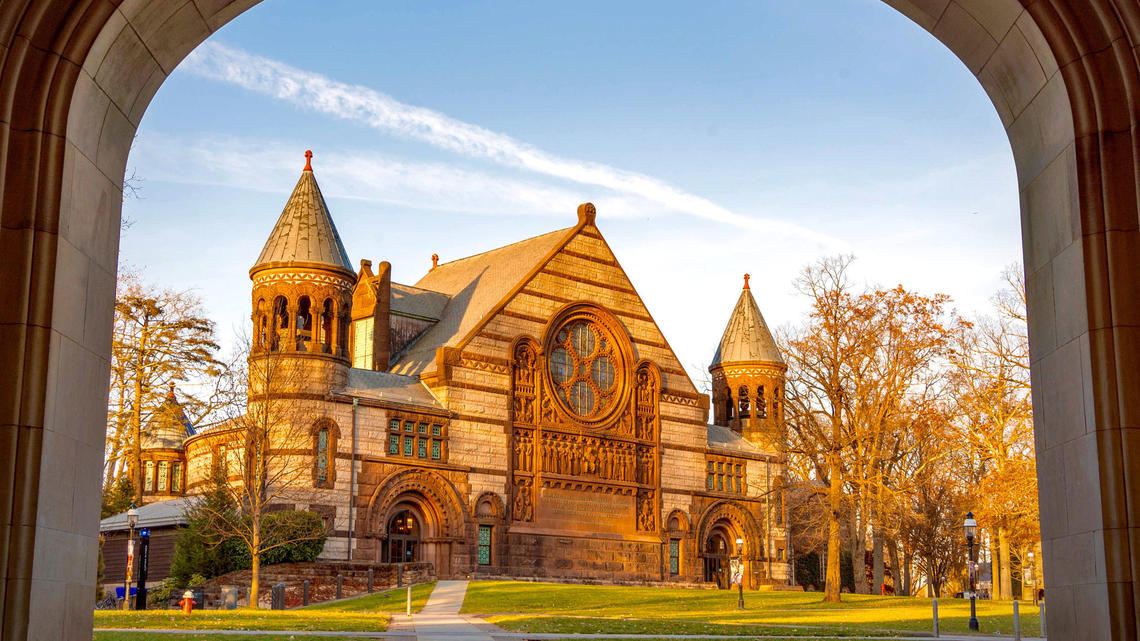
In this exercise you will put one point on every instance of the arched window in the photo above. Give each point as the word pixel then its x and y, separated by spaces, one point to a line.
pixel 325 435
pixel 259 325
pixel 280 323
pixel 727 405
pixel 745 403
pixel 327 327
pixel 304 323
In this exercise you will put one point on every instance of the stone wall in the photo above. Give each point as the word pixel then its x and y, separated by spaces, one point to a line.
pixel 321 576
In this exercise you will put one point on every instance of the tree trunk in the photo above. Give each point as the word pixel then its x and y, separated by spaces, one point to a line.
pixel 832 580
pixel 877 570
pixel 255 566
pixel 1006 566
pixel 901 588
pixel 859 548
pixel 907 579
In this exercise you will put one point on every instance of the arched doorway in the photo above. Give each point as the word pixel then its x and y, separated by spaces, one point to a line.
pixel 78 74
pixel 718 552
pixel 403 538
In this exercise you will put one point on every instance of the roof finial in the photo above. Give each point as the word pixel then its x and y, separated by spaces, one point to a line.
pixel 434 261
pixel 170 394
pixel 586 213
pixel 308 160
pixel 746 277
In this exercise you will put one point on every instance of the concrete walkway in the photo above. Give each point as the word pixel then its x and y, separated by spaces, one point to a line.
pixel 440 619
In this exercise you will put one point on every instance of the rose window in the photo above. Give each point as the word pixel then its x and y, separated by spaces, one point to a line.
pixel 582 361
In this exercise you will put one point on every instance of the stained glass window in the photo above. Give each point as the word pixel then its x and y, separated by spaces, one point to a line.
pixel 408 443
pixel 394 425
pixel 322 454
pixel 422 450
pixel 423 428
pixel 409 427
pixel 674 556
pixel 582 367
pixel 393 444
pixel 485 545
pixel 436 430
pixel 435 450
pixel 176 477
pixel 163 472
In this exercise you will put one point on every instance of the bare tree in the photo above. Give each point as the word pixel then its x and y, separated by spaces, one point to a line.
pixel 265 452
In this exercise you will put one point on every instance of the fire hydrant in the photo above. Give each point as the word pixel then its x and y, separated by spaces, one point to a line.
pixel 187 602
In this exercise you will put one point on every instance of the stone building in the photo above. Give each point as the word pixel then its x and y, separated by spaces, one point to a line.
pixel 515 413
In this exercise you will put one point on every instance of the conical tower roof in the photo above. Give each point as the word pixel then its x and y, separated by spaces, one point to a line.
pixel 747 338
pixel 168 426
pixel 305 233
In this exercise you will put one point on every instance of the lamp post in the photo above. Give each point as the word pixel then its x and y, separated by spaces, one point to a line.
pixel 740 575
pixel 971 528
pixel 132 520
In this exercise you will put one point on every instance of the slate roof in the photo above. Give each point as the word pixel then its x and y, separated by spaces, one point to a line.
pixel 168 427
pixel 746 337
pixel 305 232
pixel 475 285
pixel 724 438
pixel 394 388
pixel 157 514
pixel 421 303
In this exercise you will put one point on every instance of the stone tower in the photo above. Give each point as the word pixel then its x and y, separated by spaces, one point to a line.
pixel 302 292
pixel 748 376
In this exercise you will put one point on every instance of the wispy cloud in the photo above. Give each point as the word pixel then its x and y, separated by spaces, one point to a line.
pixel 360 104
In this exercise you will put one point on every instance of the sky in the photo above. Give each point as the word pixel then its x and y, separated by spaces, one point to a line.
pixel 715 139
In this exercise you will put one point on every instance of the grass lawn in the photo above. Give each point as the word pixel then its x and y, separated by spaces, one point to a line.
pixel 394 600
pixel 244 619
pixel 553 607
pixel 206 637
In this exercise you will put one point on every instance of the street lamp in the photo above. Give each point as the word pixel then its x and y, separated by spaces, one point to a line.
pixel 740 573
pixel 132 521
pixel 971 528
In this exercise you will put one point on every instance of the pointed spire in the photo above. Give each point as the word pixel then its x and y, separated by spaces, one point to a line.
pixel 305 233
pixel 168 425
pixel 747 338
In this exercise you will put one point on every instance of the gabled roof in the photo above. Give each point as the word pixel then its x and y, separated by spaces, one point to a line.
pixel 725 439
pixel 746 337
pixel 168 427
pixel 305 233
pixel 152 515
pixel 393 388
pixel 476 285
pixel 421 303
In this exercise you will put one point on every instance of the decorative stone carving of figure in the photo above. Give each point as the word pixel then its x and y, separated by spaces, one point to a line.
pixel 522 506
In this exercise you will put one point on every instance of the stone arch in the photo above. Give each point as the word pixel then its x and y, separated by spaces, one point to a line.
pixel 677 522
pixel 743 523
pixel 436 497
pixel 78 75
pixel 488 506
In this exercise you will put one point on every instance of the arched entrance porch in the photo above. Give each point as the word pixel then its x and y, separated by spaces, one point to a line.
pixel 721 526
pixel 77 75
pixel 414 516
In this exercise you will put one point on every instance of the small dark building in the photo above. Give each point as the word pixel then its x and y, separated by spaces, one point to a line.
pixel 163 519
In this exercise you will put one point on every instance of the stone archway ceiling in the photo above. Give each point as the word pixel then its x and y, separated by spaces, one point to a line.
pixel 77 75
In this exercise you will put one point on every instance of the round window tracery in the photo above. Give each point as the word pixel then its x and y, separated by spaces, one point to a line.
pixel 582 366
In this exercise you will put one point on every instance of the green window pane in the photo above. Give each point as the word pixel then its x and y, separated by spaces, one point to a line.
pixel 674 556
pixel 484 545
pixel 409 427
pixel 422 451
pixel 709 481
pixel 408 445
pixel 394 425
pixel 423 428
pixel 435 450
pixel 393 444
pixel 436 430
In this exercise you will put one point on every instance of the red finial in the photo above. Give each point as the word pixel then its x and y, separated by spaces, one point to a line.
pixel 434 261
pixel 308 160
pixel 746 277
pixel 170 394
